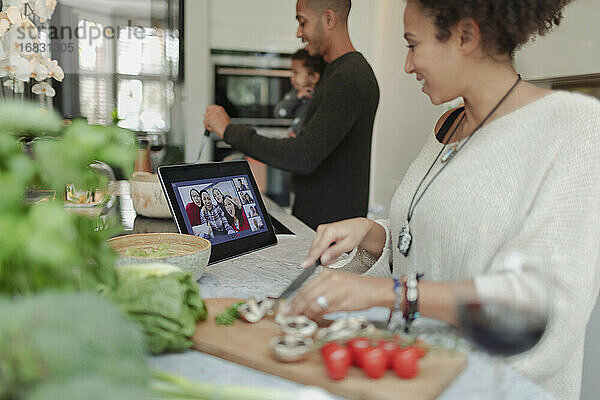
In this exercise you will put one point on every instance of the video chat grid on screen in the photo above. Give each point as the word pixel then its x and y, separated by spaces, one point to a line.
pixel 250 218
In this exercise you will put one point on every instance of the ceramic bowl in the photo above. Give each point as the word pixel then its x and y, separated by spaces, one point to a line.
pixel 147 195
pixel 190 253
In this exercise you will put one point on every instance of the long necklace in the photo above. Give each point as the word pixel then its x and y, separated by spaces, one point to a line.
pixel 405 238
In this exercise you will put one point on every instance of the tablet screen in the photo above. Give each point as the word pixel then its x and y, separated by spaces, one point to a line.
pixel 220 209
pixel 219 202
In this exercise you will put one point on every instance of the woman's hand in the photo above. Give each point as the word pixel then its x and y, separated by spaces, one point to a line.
pixel 343 292
pixel 334 239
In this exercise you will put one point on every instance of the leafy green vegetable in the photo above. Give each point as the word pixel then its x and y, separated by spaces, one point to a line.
pixel 165 302
pixel 68 343
pixel 229 315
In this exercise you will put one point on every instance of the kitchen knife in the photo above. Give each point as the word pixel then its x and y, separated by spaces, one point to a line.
pixel 299 281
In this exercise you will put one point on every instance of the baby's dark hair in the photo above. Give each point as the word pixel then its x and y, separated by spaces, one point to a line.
pixel 313 63
pixel 505 25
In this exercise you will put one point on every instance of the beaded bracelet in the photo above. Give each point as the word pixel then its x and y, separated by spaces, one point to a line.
pixel 410 311
pixel 397 301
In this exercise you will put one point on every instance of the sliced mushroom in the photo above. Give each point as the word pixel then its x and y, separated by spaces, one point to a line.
pixel 299 325
pixel 251 311
pixel 290 348
pixel 268 305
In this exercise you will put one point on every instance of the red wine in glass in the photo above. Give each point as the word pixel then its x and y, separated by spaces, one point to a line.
pixel 502 329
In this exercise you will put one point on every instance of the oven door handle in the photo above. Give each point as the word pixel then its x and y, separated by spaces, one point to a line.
pixel 284 73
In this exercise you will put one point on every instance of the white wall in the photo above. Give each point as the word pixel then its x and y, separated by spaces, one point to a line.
pixel 405 116
pixel 195 91
pixel 270 25
pixel 571 49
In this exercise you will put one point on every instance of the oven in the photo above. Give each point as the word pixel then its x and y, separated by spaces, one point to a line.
pixel 250 84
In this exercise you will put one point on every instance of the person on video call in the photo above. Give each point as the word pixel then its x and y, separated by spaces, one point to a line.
pixel 214 216
pixel 235 215
pixel 193 209
pixel 330 159
pixel 306 72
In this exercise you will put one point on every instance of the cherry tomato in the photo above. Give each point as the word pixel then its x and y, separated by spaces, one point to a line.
pixel 421 351
pixel 389 348
pixel 337 361
pixel 405 362
pixel 374 362
pixel 328 347
pixel 357 347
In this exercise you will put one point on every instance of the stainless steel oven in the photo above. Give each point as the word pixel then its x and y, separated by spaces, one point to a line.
pixel 250 84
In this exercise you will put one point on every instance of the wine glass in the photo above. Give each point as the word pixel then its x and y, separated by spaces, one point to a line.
pixel 505 325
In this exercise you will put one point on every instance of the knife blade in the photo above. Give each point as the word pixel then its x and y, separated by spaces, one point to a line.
pixel 296 283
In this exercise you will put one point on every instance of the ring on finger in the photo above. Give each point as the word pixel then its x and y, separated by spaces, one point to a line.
pixel 323 302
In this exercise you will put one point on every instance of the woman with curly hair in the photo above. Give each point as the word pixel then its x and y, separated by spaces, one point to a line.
pixel 516 170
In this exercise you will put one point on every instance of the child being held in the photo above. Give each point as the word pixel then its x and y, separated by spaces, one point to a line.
pixel 306 72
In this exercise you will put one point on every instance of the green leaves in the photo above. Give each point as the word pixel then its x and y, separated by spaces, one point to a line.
pixel 166 306
pixel 67 161
pixel 43 246
pixel 28 119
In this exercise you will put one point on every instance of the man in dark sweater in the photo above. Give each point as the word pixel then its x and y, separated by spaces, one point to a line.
pixel 330 160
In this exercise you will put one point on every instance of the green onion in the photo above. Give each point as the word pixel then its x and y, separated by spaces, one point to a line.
pixel 170 387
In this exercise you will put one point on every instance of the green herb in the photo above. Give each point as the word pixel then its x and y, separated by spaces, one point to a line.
pixel 229 315
pixel 164 300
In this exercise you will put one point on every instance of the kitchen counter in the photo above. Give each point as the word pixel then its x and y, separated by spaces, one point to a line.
pixel 268 272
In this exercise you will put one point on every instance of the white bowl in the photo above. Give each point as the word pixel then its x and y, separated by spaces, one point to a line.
pixel 148 197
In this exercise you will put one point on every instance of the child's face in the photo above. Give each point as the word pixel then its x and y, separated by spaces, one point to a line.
pixel 301 77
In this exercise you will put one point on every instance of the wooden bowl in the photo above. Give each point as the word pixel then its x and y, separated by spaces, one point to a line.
pixel 190 253
pixel 148 197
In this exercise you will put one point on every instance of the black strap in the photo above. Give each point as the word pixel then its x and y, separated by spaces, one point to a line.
pixel 441 134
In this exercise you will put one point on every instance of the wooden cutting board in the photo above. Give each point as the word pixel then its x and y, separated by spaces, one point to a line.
pixel 248 344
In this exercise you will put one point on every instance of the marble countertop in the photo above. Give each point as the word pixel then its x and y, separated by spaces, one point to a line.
pixel 268 272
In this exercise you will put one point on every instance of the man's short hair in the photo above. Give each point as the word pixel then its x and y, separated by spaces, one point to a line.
pixel 340 7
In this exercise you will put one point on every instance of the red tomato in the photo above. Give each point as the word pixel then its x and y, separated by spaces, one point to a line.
pixel 389 348
pixel 337 361
pixel 357 347
pixel 406 363
pixel 328 347
pixel 374 362
pixel 421 351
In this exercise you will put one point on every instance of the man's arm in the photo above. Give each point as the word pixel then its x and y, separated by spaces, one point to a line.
pixel 324 131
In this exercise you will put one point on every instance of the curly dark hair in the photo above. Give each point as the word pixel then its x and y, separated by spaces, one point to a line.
pixel 313 63
pixel 505 25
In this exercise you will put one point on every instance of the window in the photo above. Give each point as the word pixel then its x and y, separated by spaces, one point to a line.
pixel 136 66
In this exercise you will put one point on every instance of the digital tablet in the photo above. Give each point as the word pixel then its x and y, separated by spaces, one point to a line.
pixel 219 202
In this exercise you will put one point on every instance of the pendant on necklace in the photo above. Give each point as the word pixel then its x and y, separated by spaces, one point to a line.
pixel 448 154
pixel 404 240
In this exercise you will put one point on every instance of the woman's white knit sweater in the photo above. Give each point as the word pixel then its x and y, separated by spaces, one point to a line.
pixel 528 181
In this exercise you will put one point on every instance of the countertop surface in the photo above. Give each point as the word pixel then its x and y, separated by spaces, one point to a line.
pixel 268 272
